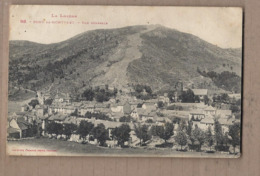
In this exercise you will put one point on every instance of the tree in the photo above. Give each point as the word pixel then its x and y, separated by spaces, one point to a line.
pixel 182 125
pixel 148 89
pixel 100 133
pixel 181 138
pixel 234 108
pixel 97 115
pixel 69 129
pixel 224 97
pixel 75 113
pixel 139 105
pixel 33 103
pixel 89 94
pixel 100 97
pixel 209 137
pixel 171 95
pixel 218 132
pixel 88 115
pixel 206 99
pixel 234 133
pixel 138 88
pixel 34 130
pixel 142 133
pixel 187 96
pixel 143 92
pixel 50 127
pixel 125 119
pixel 199 136
pixel 149 121
pixel 165 132
pixel 54 128
pixel 225 139
pixel 196 99
pixel 48 101
pixel 84 129
pixel 58 129
pixel 160 104
pixel 153 130
pixel 176 120
pixel 189 128
pixel 121 134
pixel 115 92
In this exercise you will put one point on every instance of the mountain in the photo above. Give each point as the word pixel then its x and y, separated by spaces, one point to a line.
pixel 153 55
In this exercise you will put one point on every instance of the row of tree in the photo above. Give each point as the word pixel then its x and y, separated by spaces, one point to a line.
pixel 197 137
pixel 143 92
pixel 189 97
pixel 97 115
pixel 84 129
pixel 99 94
pixel 227 80
pixel 186 134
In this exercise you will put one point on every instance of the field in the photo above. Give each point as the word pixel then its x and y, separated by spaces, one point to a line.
pixel 20 95
pixel 73 148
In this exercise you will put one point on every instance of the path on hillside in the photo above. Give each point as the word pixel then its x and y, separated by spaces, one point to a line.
pixel 127 52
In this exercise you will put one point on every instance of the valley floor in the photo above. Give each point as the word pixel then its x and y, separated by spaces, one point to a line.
pixel 59 147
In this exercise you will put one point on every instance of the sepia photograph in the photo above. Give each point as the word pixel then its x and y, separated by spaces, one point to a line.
pixel 128 81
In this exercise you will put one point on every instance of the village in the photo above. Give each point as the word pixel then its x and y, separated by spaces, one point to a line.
pixel 185 119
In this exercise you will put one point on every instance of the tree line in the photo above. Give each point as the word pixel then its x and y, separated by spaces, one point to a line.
pixel 186 134
pixel 99 94
pixel 227 80
pixel 83 130
pixel 143 92
pixel 196 137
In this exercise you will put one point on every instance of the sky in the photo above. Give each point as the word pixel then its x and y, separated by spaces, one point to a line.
pixel 217 25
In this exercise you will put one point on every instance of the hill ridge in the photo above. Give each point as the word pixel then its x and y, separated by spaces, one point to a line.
pixel 145 54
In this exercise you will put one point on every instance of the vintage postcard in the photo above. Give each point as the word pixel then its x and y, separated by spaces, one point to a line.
pixel 125 81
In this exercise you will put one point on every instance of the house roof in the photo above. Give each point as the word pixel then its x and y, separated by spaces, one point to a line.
pixel 40 106
pixel 151 101
pixel 22 126
pixel 149 104
pixel 174 113
pixel 136 102
pixel 117 115
pixel 105 110
pixel 197 111
pixel 61 95
pixel 70 107
pixel 88 106
pixel 235 95
pixel 100 105
pixel 109 124
pixel 160 119
pixel 166 111
pixel 59 117
pixel 200 91
pixel 153 114
pixel 77 104
pixel 224 112
pixel 210 108
pixel 208 119
pixel 70 120
pixel 46 116
pixel 141 111
pixel 12 130
pixel 226 121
